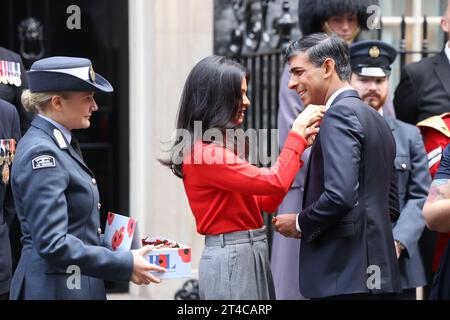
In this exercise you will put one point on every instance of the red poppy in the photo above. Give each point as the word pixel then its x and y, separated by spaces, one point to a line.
pixel 162 260
pixel 185 255
pixel 117 238
pixel 131 226
pixel 110 217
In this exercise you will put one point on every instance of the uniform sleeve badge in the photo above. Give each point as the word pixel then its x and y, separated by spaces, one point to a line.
pixel 42 162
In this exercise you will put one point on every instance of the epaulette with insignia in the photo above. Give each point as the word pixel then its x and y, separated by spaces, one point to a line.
pixel 436 123
pixel 59 138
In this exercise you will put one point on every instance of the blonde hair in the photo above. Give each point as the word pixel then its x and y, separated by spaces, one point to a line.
pixel 36 101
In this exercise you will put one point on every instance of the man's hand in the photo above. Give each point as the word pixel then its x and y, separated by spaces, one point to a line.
pixel 286 225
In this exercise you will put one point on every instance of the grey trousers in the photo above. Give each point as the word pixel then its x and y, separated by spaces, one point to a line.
pixel 235 266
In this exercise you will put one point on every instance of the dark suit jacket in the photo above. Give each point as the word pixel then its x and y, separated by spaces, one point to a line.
pixel 9 129
pixel 13 94
pixel 347 205
pixel 283 262
pixel 424 89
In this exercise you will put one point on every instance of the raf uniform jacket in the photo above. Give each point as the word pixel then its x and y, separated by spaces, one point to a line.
pixel 9 129
pixel 13 94
pixel 413 183
pixel 350 199
pixel 424 89
pixel 57 203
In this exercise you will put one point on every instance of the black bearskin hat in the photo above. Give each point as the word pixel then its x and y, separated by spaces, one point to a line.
pixel 313 13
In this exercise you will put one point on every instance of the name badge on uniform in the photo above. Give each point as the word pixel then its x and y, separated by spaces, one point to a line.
pixel 42 162
pixel 60 139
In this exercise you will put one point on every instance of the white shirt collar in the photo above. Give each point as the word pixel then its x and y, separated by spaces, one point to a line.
pixel 64 130
pixel 447 50
pixel 380 111
pixel 334 95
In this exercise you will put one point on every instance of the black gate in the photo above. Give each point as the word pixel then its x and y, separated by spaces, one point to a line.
pixel 265 71
pixel 260 45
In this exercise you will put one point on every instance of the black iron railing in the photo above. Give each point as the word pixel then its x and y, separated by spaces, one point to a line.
pixel 266 66
pixel 402 48
pixel 264 71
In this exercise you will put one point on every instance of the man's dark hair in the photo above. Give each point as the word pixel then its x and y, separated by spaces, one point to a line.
pixel 319 47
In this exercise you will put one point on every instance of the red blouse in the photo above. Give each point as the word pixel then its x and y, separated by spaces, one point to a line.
pixel 229 195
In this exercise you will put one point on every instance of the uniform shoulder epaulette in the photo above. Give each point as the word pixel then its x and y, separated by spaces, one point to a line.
pixel 436 123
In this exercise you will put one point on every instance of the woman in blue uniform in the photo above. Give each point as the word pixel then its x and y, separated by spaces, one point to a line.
pixel 56 194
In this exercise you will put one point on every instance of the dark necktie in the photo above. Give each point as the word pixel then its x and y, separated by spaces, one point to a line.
pixel 76 146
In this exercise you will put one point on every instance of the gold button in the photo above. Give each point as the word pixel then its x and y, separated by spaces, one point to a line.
pixel 99 231
pixel 94 182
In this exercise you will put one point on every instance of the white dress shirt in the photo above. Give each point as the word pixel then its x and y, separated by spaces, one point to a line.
pixel 447 50
pixel 336 94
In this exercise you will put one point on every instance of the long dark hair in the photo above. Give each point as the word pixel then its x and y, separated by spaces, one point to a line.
pixel 212 94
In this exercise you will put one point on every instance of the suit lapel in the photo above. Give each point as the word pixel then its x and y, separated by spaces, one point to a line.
pixel 442 68
pixel 48 128
pixel 317 144
pixel 390 122
pixel 308 172
pixel 78 159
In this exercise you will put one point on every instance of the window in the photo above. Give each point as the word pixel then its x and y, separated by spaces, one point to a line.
pixel 414 11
